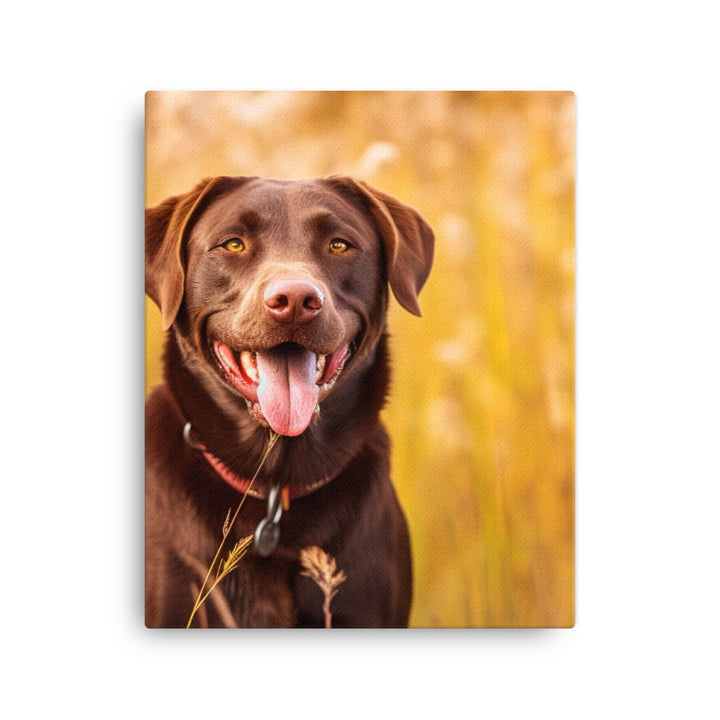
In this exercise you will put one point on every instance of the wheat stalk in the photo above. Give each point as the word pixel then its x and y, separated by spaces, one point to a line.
pixel 240 547
pixel 321 568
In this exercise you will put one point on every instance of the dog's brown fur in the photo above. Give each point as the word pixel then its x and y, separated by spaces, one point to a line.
pixel 206 294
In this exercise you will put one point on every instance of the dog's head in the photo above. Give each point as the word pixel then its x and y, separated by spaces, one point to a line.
pixel 281 285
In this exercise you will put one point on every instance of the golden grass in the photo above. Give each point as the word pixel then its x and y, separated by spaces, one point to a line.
pixel 482 407
pixel 322 568
pixel 219 569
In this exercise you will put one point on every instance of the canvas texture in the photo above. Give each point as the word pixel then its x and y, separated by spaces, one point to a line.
pixel 480 404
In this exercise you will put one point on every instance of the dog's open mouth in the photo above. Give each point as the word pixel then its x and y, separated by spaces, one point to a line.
pixel 284 385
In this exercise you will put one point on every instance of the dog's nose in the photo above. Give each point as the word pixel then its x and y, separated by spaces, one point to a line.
pixel 295 300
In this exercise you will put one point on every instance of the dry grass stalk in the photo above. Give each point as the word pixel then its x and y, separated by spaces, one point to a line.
pixel 240 547
pixel 321 567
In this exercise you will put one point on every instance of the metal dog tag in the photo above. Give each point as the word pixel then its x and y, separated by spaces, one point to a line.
pixel 267 537
pixel 267 533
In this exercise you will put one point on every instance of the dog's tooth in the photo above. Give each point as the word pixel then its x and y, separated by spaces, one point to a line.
pixel 249 366
pixel 320 366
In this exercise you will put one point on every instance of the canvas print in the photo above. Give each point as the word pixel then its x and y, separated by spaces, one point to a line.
pixel 359 359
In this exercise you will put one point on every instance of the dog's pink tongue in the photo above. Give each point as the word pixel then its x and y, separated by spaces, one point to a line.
pixel 287 392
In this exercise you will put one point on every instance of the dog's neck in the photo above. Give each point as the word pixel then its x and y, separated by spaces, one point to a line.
pixel 241 484
pixel 222 422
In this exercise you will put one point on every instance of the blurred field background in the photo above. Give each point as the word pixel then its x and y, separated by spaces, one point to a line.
pixel 482 408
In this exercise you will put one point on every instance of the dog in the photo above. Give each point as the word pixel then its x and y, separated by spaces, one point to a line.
pixel 274 295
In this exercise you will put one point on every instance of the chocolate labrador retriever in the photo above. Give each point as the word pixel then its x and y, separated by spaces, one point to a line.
pixel 275 296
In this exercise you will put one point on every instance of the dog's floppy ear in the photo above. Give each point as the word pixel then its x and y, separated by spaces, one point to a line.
pixel 166 225
pixel 408 240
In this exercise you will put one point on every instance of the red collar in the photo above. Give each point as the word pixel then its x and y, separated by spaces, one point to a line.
pixel 241 484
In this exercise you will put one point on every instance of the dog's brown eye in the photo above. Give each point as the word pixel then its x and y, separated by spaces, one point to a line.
pixel 338 246
pixel 234 245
